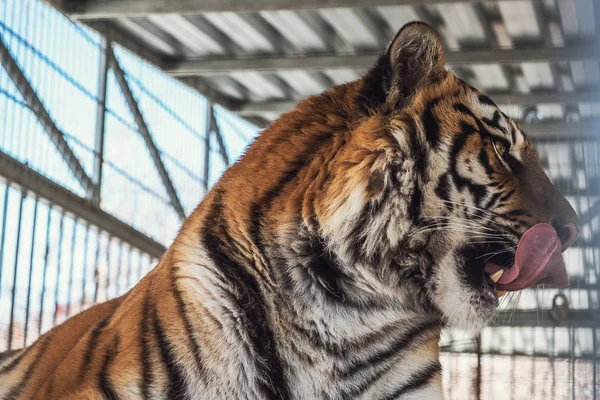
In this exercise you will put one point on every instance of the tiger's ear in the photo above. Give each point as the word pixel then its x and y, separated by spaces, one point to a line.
pixel 413 60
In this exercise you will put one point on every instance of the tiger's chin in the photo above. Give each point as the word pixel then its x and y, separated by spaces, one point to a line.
pixel 464 293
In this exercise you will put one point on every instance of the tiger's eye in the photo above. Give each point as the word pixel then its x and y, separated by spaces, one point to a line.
pixel 501 148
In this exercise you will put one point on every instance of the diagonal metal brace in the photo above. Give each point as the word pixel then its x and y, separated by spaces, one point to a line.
pixel 144 131
pixel 214 127
pixel 36 105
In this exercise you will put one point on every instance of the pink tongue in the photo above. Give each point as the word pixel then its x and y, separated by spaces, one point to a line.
pixel 538 260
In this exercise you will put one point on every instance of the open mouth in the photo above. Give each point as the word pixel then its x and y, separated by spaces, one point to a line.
pixel 537 260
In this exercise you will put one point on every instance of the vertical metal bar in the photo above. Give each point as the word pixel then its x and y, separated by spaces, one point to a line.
pixel 119 282
pixel 217 132
pixel 207 135
pixel 139 267
pixel 572 357
pixel 45 273
pixel 58 264
pixel 100 120
pixel 533 371
pixel 71 267
pixel 129 268
pixel 96 271
pixel 31 254
pixel 594 365
pixel 107 268
pixel 478 370
pixel 513 367
pixel 15 270
pixel 552 362
pixel 85 265
pixel 3 239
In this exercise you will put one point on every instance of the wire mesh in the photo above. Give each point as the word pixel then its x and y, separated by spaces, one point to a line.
pixel 53 265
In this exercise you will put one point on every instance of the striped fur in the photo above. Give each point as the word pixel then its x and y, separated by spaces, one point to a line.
pixel 324 263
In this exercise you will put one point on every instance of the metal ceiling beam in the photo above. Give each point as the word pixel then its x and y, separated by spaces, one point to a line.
pixel 145 132
pixel 545 356
pixel 16 173
pixel 37 107
pixel 223 66
pixel 543 318
pixel 95 9
pixel 588 128
pixel 587 96
pixel 119 36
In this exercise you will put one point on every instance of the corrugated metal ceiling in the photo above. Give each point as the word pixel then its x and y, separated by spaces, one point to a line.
pixel 492 25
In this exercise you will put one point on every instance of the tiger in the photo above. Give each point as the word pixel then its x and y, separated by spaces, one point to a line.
pixel 326 261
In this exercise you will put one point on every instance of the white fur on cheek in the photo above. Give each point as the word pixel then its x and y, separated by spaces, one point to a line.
pixel 345 213
pixel 458 302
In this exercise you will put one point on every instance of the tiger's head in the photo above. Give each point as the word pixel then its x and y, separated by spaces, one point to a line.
pixel 436 186
pixel 405 187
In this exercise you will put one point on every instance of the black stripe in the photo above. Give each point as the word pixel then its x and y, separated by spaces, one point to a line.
pixel 481 129
pixel 147 376
pixel 483 99
pixel 9 367
pixel 414 207
pixel 431 124
pixel 417 380
pixel 17 389
pixel 91 346
pixel 442 189
pixel 401 343
pixel 507 195
pixel 518 213
pixel 494 122
pixel 513 133
pixel 250 304
pixel 103 380
pixel 420 158
pixel 324 271
pixel 264 204
pixel 485 161
pixel 366 384
pixel 478 191
pixel 492 201
pixel 350 347
pixel 189 330
pixel 359 232
pixel 176 378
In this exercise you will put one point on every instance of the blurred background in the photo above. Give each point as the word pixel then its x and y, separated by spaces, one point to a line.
pixel 116 117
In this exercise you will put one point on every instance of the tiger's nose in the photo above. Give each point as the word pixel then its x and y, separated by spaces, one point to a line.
pixel 568 232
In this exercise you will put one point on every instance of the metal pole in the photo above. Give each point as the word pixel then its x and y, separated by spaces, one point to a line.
pixel 45 273
pixel 207 135
pixel 144 131
pixel 71 268
pixel 107 280
pixel 478 375
pixel 96 270
pixel 15 270
pixel 85 265
pixel 3 238
pixel 100 119
pixel 58 265
pixel 31 254
pixel 217 132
